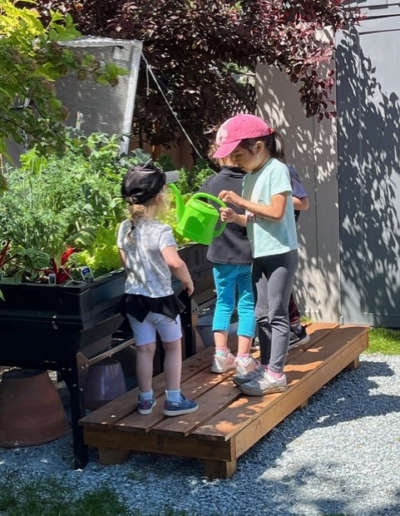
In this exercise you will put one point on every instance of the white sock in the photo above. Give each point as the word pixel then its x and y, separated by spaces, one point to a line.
pixel 174 395
pixel 146 395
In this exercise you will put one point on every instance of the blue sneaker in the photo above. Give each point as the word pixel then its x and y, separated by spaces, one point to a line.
pixel 145 407
pixel 178 408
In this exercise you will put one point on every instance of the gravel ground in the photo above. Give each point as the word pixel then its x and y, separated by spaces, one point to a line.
pixel 337 456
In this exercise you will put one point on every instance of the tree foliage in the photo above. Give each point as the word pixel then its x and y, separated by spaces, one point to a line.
pixel 31 59
pixel 192 46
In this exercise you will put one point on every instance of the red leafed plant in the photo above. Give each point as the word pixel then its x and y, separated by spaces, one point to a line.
pixel 62 273
pixel 3 253
pixel 198 49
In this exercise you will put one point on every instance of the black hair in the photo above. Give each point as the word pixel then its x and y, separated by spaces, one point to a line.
pixel 273 142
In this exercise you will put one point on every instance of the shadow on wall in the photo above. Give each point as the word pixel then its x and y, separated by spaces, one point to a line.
pixel 369 167
pixel 311 148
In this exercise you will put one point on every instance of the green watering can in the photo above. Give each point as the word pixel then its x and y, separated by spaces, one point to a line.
pixel 197 219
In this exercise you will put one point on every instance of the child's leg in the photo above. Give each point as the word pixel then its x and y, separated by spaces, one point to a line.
pixel 294 312
pixel 282 271
pixel 260 286
pixel 247 318
pixel 170 332
pixel 298 332
pixel 145 341
pixel 225 285
pixel 171 335
pixel 173 364
pixel 144 366
pixel 144 334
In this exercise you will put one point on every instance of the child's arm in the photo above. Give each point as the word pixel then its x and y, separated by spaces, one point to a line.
pixel 300 198
pixel 178 268
pixel 301 204
pixel 274 211
pixel 122 257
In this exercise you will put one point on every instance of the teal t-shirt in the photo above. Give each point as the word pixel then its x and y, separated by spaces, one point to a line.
pixel 266 237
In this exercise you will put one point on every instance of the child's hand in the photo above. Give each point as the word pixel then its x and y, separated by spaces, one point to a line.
pixel 229 196
pixel 188 286
pixel 227 214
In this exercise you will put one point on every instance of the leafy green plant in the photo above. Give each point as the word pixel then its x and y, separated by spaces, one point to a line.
pixel 53 203
pixel 102 255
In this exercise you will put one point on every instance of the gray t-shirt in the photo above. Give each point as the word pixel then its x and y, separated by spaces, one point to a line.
pixel 147 272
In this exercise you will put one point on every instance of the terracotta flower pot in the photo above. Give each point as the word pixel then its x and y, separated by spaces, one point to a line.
pixel 31 412
pixel 105 381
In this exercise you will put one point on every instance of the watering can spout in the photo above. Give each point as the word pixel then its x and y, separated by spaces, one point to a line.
pixel 180 207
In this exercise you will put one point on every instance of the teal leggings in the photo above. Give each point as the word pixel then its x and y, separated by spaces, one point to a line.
pixel 229 279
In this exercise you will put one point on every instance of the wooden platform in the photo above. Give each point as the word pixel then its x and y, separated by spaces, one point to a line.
pixel 227 423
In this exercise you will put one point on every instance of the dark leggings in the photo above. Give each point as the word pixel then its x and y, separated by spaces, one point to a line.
pixel 272 280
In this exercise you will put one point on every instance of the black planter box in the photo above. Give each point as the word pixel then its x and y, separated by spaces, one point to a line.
pixel 47 322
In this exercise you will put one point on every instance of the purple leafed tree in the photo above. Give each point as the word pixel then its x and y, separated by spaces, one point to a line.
pixel 194 46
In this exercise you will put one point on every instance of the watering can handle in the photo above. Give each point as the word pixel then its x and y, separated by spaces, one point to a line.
pixel 211 197
pixel 218 231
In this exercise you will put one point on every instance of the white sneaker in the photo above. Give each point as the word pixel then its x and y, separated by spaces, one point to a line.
pixel 222 363
pixel 245 365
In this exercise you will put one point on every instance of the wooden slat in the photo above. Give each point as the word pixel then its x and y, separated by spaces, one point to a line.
pixel 210 404
pixel 155 443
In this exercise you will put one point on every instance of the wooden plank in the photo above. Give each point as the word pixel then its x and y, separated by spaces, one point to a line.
pixel 317 332
pixel 155 443
pixel 245 410
pixel 109 456
pixel 219 469
pixel 237 425
pixel 210 404
pixel 193 389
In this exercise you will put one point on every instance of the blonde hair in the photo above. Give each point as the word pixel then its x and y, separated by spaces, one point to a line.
pixel 218 161
pixel 152 209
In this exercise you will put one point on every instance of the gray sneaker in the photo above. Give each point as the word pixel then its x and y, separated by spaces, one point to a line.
pixel 264 384
pixel 241 379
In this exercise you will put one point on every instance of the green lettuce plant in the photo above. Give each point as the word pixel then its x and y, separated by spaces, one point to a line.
pixel 59 213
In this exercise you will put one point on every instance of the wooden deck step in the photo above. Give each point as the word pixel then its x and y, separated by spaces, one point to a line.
pixel 227 423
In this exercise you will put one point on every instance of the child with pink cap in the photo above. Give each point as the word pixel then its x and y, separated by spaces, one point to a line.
pixel 269 218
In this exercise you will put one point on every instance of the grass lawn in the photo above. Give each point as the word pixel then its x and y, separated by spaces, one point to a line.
pixel 384 340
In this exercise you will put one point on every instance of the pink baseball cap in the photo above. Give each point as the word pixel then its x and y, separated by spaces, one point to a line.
pixel 236 129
